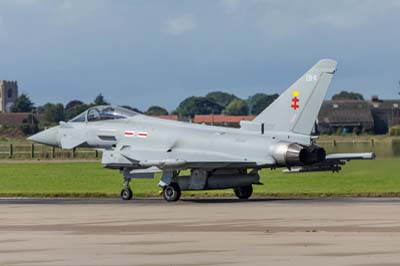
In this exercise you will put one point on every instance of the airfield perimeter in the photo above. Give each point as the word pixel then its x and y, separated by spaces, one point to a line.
pixel 262 231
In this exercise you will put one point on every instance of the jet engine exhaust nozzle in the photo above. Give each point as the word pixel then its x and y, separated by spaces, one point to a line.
pixel 293 154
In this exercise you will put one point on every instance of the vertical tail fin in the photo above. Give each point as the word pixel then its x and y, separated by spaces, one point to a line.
pixel 297 108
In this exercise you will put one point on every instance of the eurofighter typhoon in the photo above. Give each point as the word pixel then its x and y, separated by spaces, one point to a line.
pixel 217 157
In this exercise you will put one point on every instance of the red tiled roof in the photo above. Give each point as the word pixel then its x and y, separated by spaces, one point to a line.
pixel 12 118
pixel 168 117
pixel 222 118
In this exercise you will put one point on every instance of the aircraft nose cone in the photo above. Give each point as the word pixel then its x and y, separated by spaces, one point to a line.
pixel 47 137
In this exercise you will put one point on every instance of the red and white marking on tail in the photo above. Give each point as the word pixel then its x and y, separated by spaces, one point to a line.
pixel 295 100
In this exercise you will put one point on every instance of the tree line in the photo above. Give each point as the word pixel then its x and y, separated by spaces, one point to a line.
pixel 216 102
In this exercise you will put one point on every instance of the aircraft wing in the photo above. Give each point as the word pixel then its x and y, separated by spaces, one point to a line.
pixel 176 159
pixel 332 162
pixel 351 156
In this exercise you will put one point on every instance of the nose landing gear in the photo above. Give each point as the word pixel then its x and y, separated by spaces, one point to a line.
pixel 126 192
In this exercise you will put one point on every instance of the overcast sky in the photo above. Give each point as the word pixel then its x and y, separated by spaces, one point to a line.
pixel 159 52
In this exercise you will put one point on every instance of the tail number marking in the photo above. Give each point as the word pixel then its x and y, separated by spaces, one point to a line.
pixel 310 78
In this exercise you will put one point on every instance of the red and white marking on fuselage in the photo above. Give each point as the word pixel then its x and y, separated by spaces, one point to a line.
pixel 143 134
pixel 128 133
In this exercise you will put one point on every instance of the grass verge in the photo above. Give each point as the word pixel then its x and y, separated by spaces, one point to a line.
pixel 380 178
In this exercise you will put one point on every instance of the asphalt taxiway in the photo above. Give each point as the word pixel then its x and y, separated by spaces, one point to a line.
pixel 268 231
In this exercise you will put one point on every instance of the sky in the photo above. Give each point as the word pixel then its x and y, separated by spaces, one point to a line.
pixel 144 52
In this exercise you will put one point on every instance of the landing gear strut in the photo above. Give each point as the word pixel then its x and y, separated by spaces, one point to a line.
pixel 172 192
pixel 126 192
pixel 244 192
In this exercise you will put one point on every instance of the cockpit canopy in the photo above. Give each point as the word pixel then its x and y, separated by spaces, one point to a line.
pixel 103 112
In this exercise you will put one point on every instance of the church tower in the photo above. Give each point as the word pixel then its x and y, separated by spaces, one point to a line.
pixel 8 94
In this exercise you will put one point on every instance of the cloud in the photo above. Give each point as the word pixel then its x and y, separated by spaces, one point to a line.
pixel 180 25
pixel 352 14
pixel 21 3
pixel 283 19
pixel 230 5
pixel 66 5
pixel 81 13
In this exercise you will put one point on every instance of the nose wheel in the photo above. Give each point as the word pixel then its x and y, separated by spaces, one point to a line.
pixel 126 192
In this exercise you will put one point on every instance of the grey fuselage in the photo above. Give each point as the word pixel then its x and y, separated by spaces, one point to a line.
pixel 166 135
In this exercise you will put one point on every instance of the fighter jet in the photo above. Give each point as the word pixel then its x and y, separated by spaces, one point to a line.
pixel 200 157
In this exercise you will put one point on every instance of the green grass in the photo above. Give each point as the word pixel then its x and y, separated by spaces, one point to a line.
pixel 89 179
pixel 6 140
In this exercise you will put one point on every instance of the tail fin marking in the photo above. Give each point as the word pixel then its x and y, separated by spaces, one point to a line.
pixel 297 108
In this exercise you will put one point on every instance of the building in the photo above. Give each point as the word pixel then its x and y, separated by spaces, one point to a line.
pixel 336 116
pixel 13 119
pixel 8 95
pixel 386 114
pixel 222 120
pixel 345 116
pixel 168 117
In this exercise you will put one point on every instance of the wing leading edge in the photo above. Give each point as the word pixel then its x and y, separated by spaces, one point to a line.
pixel 332 162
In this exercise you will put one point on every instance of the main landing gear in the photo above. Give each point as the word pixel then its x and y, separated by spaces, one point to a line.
pixel 172 184
pixel 244 192
pixel 172 192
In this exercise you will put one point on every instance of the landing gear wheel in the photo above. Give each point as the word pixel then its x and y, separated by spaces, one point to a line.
pixel 172 192
pixel 243 192
pixel 126 194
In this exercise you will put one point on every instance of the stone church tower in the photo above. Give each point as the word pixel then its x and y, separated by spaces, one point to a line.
pixel 8 94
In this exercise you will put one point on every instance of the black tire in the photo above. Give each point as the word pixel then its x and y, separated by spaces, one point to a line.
pixel 244 192
pixel 126 194
pixel 172 192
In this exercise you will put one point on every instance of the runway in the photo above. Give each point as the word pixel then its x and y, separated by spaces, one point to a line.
pixel 263 231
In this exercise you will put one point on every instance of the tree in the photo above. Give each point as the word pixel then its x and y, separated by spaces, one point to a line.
pixel 74 111
pixel 156 110
pixel 237 107
pixel 29 125
pixel 221 98
pixel 198 105
pixel 53 113
pixel 132 108
pixel 258 102
pixel 74 108
pixel 22 104
pixel 345 95
pixel 72 104
pixel 99 100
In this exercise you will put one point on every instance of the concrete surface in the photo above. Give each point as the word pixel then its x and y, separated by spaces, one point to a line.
pixel 359 232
